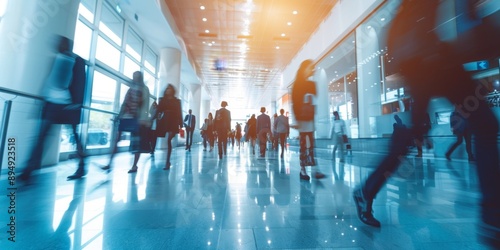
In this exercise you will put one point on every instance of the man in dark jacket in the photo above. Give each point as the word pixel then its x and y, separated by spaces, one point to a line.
pixel 222 125
pixel 189 124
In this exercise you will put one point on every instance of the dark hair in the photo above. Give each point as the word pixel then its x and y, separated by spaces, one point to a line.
pixel 170 86
pixel 65 44
pixel 282 111
pixel 301 75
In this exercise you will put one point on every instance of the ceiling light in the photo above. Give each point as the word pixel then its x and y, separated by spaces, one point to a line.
pixel 277 47
pixel 283 34
pixel 202 7
pixel 295 12
pixel 207 31
pixel 289 23
pixel 204 19
pixel 382 19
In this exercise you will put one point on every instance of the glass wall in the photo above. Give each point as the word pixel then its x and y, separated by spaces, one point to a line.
pixel 114 50
pixel 341 76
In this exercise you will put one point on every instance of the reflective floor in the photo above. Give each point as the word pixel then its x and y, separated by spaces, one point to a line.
pixel 241 202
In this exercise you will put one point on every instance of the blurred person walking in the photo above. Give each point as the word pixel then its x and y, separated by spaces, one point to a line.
pixel 429 65
pixel 282 128
pixel 133 118
pixel 303 91
pixel 263 129
pixel 222 125
pixel 339 136
pixel 461 129
pixel 169 119
pixel 251 132
pixel 63 95
pixel 189 124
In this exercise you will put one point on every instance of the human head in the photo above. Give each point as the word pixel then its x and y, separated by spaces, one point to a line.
pixel 263 109
pixel 282 111
pixel 137 77
pixel 210 116
pixel 336 115
pixel 169 91
pixel 223 104
pixel 306 69
pixel 190 111
pixel 65 44
pixel 253 116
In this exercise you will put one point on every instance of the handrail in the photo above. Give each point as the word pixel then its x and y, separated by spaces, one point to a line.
pixel 19 93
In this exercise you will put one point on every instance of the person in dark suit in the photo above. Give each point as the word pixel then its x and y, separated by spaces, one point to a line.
pixel 251 132
pixel 63 94
pixel 433 68
pixel 189 124
pixel 460 128
pixel 263 128
pixel 222 125
pixel 169 113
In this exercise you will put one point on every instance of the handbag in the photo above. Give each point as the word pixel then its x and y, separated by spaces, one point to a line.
pixel 345 139
pixel 128 125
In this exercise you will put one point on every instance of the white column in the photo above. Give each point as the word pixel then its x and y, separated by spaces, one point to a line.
pixel 28 38
pixel 170 69
pixel 369 81
pixel 322 118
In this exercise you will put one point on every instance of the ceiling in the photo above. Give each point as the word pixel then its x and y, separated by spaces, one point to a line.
pixel 240 47
pixel 252 41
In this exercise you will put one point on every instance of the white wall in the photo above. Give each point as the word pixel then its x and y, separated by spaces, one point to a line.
pixel 27 38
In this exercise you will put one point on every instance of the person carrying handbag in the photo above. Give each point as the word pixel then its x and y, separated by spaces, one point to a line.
pixel 339 136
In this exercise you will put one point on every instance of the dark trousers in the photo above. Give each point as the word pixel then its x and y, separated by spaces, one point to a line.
pixel 428 79
pixel 189 137
pixel 282 141
pixel 222 143
pixel 35 161
pixel 460 138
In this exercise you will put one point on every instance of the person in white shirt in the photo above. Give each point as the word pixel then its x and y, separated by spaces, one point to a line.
pixel 338 132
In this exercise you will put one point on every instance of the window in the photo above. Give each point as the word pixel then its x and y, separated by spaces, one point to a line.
pixel 103 92
pixel 150 81
pixel 87 9
pixel 129 67
pixel 150 59
pixel 100 129
pixel 134 45
pixel 107 54
pixel 83 40
pixel 111 24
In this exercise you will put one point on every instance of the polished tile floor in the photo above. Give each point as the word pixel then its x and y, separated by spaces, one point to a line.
pixel 241 202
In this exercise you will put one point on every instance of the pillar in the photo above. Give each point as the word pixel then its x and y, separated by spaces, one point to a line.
pixel 28 36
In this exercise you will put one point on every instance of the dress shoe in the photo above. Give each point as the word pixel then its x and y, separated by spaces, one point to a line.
pixel 365 213
pixel 133 170
pixel 167 166
pixel 447 156
pixel 304 177
pixel 106 168
pixel 80 172
pixel 319 175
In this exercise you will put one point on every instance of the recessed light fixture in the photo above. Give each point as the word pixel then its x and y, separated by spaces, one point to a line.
pixel 382 19
pixel 202 7
pixel 207 31
pixel 277 47
pixel 283 34
pixel 204 19
pixel 295 12
pixel 289 23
